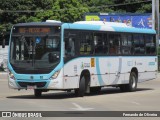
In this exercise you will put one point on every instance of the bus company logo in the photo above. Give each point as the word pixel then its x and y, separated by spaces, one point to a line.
pixel 75 68
pixel 85 65
pixel 151 63
pixel 6 114
pixel 139 63
pixel 82 65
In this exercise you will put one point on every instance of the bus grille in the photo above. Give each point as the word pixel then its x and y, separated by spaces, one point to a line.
pixel 38 84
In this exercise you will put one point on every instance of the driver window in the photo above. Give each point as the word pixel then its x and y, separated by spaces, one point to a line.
pixel 51 49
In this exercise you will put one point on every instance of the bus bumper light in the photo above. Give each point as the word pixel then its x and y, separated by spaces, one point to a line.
pixel 55 75
pixel 11 75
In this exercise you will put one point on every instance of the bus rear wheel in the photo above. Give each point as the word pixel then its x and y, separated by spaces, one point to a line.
pixel 132 86
pixel 37 93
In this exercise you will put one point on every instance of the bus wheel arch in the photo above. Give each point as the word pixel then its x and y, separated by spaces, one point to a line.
pixel 135 70
pixel 84 83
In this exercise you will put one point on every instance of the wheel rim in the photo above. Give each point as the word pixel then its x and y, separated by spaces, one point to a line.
pixel 133 82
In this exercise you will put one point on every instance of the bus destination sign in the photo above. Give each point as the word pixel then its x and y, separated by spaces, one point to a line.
pixel 34 30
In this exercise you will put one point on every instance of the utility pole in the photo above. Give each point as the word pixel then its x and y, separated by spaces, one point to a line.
pixel 153 14
pixel 155 19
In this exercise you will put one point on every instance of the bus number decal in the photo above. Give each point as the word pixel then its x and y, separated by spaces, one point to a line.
pixel 92 62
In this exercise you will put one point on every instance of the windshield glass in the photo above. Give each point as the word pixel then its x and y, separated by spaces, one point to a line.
pixel 34 53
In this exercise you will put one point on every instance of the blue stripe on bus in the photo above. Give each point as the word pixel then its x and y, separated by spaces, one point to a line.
pixel 101 82
pixel 84 26
pixel 134 30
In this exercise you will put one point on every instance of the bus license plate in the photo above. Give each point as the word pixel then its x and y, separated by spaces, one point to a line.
pixel 31 87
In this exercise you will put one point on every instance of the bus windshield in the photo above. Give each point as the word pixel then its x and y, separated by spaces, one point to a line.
pixel 34 50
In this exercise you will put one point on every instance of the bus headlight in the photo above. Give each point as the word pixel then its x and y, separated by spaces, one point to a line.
pixel 11 75
pixel 55 75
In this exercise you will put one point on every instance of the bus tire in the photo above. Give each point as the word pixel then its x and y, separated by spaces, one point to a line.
pixel 95 89
pixel 37 93
pixel 132 86
pixel 81 91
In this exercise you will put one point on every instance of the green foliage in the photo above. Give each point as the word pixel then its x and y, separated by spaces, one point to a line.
pixel 99 6
pixel 136 7
pixel 146 8
pixel 69 11
pixel 64 10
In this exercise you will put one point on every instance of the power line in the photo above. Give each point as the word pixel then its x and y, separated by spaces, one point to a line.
pixel 122 4
pixel 102 6
pixel 20 11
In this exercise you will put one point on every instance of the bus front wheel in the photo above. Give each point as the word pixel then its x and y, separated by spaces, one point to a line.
pixel 81 91
pixel 37 93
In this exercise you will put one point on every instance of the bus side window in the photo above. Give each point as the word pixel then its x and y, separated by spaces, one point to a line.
pixel 112 49
pixel 114 44
pixel 85 43
pixel 150 44
pixel 138 44
pixel 69 47
pixel 105 44
pixel 100 43
pixel 126 44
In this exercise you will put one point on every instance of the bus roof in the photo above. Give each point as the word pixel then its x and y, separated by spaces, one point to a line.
pixel 109 26
pixel 102 23
pixel 92 25
pixel 39 24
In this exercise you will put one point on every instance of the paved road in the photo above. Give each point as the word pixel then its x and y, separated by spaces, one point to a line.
pixel 146 98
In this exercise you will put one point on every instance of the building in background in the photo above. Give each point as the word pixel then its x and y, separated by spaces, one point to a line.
pixel 4 51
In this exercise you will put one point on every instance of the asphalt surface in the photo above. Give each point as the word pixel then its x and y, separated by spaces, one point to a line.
pixel 146 98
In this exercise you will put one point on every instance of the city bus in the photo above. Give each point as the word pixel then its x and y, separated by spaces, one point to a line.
pixel 82 56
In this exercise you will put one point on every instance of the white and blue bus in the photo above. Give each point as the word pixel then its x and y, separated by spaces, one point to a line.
pixel 83 56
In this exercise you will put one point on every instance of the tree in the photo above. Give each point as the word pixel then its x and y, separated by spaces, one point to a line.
pixel 9 17
pixel 133 6
pixel 68 11
pixel 102 6
pixel 64 10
